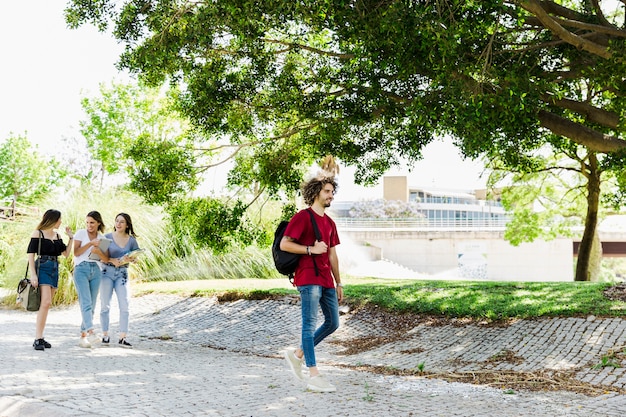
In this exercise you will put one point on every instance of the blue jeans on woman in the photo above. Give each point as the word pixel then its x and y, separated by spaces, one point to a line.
pixel 48 272
pixel 87 277
pixel 114 279
pixel 312 297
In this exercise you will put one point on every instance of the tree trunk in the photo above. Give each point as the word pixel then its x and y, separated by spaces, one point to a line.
pixel 13 206
pixel 583 272
pixel 595 260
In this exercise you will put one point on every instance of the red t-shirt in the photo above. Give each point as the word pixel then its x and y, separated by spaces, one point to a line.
pixel 301 230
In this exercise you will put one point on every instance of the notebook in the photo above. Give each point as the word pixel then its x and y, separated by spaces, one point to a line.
pixel 104 246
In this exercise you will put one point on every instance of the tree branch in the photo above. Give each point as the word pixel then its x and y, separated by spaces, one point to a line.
pixel 581 134
pixel 291 45
pixel 535 8
pixel 593 114
pixel 599 13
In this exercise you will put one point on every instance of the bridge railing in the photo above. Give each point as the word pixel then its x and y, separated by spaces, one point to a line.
pixel 422 224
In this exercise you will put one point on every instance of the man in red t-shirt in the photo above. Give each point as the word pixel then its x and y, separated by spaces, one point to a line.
pixel 316 276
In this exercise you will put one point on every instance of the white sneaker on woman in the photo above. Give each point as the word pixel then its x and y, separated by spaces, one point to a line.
pixel 93 339
pixel 84 343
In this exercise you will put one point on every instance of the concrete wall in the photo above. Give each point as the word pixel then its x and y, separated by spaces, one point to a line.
pixel 395 188
pixel 471 255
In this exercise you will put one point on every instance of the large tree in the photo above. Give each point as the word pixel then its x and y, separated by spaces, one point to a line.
pixel 25 175
pixel 368 81
pixel 568 188
pixel 134 129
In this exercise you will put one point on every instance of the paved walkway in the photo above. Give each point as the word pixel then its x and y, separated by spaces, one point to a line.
pixel 197 357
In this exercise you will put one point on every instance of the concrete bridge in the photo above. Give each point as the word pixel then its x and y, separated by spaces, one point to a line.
pixel 464 251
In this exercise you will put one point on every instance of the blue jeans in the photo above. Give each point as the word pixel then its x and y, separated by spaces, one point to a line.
pixel 87 282
pixel 48 273
pixel 114 279
pixel 312 296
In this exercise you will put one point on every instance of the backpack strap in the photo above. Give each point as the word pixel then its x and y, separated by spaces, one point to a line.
pixel 318 236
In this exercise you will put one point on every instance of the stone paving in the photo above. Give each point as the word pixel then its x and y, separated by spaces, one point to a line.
pixel 199 357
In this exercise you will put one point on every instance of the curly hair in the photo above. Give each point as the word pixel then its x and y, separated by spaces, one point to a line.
pixel 313 187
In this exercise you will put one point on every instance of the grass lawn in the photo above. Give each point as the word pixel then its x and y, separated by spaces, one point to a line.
pixel 467 299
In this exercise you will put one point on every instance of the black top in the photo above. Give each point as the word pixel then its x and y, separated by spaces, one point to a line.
pixel 48 247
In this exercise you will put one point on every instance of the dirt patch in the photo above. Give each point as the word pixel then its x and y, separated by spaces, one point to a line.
pixel 507 356
pixel 363 344
pixel 540 381
pixel 616 292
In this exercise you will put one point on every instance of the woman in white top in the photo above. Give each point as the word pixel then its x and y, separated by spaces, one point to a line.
pixel 87 273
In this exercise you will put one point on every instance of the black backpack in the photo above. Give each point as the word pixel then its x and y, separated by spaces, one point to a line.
pixel 287 262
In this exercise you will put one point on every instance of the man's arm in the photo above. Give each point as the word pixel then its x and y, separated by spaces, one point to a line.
pixel 334 267
pixel 289 245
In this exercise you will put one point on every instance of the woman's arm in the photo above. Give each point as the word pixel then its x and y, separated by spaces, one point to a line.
pixel 68 248
pixel 79 250
pixel 34 279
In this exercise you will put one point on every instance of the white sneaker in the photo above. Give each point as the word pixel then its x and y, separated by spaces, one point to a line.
pixel 295 364
pixel 319 384
pixel 93 339
pixel 84 343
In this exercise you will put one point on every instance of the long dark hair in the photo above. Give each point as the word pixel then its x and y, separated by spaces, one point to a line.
pixel 129 224
pixel 50 218
pixel 97 217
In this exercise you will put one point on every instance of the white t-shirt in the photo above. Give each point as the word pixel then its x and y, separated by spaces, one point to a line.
pixel 82 236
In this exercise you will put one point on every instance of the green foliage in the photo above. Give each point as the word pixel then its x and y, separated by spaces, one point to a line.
pixel 211 223
pixel 609 360
pixel 614 166
pixel 25 175
pixel 490 300
pixel 540 208
pixel 161 170
pixel 288 211
pixel 372 84
pixel 5 253
pixel 237 263
pixel 136 128
pixel 369 83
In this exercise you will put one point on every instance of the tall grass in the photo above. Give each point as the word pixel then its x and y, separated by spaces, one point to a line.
pixel 74 206
pixel 159 261
pixel 249 262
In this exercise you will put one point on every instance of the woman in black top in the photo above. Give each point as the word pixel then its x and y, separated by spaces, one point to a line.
pixel 44 271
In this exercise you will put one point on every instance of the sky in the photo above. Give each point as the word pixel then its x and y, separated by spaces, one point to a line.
pixel 46 68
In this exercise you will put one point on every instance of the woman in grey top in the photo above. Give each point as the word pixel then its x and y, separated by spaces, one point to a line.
pixel 115 277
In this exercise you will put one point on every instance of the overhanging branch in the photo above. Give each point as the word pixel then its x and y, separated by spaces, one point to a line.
pixel 534 7
pixel 583 135
pixel 593 114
